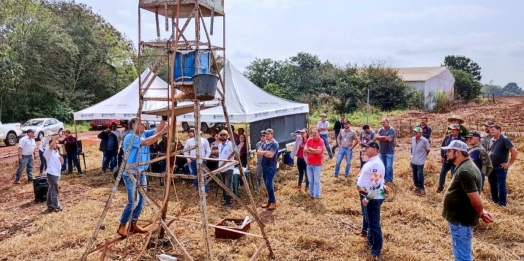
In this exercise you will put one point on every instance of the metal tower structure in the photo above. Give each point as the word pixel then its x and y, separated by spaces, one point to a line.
pixel 186 60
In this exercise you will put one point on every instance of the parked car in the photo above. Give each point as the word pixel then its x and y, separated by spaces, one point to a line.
pixel 204 126
pixel 99 124
pixel 9 133
pixel 42 126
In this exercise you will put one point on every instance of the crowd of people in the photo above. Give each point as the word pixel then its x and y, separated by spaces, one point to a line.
pixel 471 157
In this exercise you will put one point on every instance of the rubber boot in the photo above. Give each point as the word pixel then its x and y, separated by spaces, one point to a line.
pixel 134 228
pixel 122 230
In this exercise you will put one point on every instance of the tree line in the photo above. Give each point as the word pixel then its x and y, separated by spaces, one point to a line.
pixel 57 57
pixel 306 78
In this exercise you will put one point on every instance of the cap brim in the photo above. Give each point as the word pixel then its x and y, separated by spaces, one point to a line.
pixel 446 148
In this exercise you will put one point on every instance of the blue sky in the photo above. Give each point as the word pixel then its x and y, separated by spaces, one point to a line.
pixel 401 33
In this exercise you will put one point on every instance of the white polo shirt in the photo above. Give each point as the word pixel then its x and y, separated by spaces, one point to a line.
pixel 54 166
pixel 28 145
pixel 224 150
pixel 205 150
pixel 324 124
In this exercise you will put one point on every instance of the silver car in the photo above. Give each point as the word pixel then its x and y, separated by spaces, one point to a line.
pixel 43 126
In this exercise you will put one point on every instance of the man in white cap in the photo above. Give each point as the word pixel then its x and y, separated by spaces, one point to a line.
pixel 26 156
pixel 323 130
pixel 462 203
pixel 446 165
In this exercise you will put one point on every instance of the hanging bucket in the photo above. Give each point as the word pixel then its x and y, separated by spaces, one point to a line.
pixel 205 86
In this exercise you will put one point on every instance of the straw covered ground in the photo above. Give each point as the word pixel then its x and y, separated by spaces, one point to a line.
pixel 299 229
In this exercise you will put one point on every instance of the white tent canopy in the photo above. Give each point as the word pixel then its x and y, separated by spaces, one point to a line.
pixel 124 105
pixel 246 102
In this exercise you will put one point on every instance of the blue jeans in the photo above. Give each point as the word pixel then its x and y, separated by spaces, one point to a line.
pixel 343 153
pixel 446 166
pixel 65 162
pixel 268 174
pixel 109 160
pixel 375 231
pixel 27 161
pixel 313 174
pixel 72 157
pixel 365 223
pixel 387 159
pixel 418 176
pixel 193 171
pixel 139 203
pixel 497 182
pixel 43 164
pixel 302 171
pixel 461 237
pixel 326 143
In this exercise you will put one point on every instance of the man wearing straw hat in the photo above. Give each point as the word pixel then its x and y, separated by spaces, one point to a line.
pixel 455 119
pixel 323 130
pixel 462 202
pixel 446 165
pixel 225 150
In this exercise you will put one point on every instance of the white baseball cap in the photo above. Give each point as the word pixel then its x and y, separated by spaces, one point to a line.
pixel 456 145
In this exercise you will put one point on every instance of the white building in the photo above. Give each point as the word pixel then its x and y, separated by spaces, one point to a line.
pixel 429 80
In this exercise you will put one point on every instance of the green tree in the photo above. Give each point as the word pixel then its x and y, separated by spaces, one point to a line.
pixel 466 87
pixel 457 62
pixel 492 89
pixel 512 89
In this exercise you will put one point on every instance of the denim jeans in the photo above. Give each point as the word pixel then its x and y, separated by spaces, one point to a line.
pixel 65 162
pixel 461 237
pixel 27 161
pixel 227 178
pixel 109 160
pixel 346 153
pixel 193 171
pixel 43 164
pixel 418 176
pixel 326 143
pixel 302 171
pixel 72 157
pixel 336 144
pixel 497 182
pixel 375 231
pixel 52 192
pixel 268 174
pixel 313 174
pixel 446 166
pixel 387 159
pixel 139 203
pixel 365 223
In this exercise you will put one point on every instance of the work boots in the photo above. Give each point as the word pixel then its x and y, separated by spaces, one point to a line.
pixel 122 230
pixel 134 228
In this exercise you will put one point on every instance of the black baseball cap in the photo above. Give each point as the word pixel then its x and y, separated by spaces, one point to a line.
pixel 473 134
pixel 371 144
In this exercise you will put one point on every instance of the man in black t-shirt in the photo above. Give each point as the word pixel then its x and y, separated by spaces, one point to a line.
pixel 499 148
pixel 462 203
pixel 339 124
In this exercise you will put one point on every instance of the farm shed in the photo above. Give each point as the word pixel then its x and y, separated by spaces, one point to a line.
pixel 429 80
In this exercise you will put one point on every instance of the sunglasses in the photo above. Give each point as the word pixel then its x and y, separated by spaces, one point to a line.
pixel 222 135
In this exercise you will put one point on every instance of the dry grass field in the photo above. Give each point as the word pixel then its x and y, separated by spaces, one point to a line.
pixel 299 229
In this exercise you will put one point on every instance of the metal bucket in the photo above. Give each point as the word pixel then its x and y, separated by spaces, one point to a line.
pixel 205 86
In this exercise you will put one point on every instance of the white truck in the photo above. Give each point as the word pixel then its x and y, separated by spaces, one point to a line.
pixel 9 133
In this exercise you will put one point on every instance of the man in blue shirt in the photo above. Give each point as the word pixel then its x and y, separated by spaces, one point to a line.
pixel 269 151
pixel 138 142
